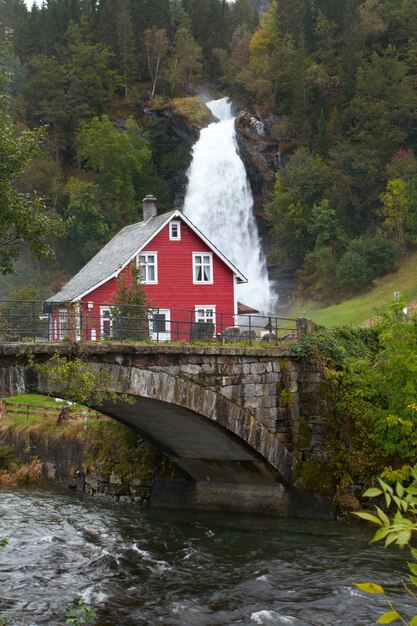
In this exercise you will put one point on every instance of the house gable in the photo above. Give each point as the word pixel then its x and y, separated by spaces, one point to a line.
pixel 119 252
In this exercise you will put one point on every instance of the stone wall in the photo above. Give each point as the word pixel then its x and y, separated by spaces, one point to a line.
pixel 63 463
pixel 283 393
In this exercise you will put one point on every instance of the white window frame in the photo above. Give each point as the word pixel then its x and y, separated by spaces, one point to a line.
pixel 104 309
pixel 205 318
pixel 172 237
pixel 143 268
pixel 63 316
pixel 202 255
pixel 161 335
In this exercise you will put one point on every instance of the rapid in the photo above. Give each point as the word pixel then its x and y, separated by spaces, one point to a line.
pixel 147 566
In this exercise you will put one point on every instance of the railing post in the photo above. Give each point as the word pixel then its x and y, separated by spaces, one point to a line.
pixel 221 328
pixel 121 321
pixel 191 325
pixel 33 321
pixel 250 330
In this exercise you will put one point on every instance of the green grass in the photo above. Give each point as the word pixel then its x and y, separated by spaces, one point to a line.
pixel 360 310
pixel 35 399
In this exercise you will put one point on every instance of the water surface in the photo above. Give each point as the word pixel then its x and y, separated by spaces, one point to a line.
pixel 144 567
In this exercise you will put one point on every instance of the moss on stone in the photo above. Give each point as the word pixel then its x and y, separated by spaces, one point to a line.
pixel 285 397
pixel 193 109
pixel 314 475
pixel 305 434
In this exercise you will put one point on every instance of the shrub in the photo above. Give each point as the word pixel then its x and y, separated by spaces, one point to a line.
pixel 353 272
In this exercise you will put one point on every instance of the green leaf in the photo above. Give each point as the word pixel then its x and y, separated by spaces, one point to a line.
pixel 372 492
pixel 387 499
pixel 385 486
pixel 413 567
pixel 381 533
pixel 368 517
pixel 370 587
pixel 390 539
pixel 383 517
pixel 404 537
pixel 389 617
pixel 399 490
pixel 414 621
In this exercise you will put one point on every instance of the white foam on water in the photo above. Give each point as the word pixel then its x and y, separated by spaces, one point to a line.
pixel 265 617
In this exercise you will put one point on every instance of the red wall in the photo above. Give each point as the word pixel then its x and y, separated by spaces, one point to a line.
pixel 175 288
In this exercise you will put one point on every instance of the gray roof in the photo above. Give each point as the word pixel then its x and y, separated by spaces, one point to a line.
pixel 113 257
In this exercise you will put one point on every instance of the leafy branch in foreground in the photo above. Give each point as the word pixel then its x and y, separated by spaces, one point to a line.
pixel 77 381
pixel 81 615
pixel 397 529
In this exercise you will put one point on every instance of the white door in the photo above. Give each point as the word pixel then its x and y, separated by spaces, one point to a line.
pixel 105 322
pixel 160 325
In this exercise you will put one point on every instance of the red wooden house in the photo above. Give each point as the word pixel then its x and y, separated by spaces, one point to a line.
pixel 186 278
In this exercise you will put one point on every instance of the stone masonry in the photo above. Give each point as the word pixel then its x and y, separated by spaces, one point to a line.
pixel 268 397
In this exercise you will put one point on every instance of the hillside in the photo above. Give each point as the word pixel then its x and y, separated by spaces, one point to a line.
pixel 359 310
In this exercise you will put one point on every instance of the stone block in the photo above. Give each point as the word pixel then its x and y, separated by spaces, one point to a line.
pixel 268 402
pixel 251 402
pixel 257 368
pixel 190 370
pixel 251 379
pixel 115 479
pixel 231 392
pixel 272 377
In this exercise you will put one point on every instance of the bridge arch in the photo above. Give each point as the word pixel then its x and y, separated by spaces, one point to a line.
pixel 216 411
pixel 209 436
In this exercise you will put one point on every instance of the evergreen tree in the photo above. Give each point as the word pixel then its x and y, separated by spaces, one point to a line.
pixel 125 46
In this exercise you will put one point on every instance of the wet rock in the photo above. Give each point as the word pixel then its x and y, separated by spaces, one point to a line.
pixel 260 152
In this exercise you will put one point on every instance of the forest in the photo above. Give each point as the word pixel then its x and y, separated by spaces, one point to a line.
pixel 85 80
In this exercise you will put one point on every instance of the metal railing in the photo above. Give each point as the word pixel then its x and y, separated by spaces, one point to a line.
pixel 90 321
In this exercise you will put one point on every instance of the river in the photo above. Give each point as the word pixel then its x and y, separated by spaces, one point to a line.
pixel 148 566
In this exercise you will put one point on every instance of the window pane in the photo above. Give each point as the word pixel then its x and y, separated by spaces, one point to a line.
pixel 159 323
pixel 151 272
pixel 198 273
pixel 206 273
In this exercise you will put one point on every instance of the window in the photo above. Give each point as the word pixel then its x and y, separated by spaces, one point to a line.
pixel 160 325
pixel 202 268
pixel 205 313
pixel 175 231
pixel 148 268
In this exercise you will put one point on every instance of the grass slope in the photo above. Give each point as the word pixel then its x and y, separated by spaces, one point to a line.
pixel 360 310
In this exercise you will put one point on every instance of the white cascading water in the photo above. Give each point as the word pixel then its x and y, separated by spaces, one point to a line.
pixel 219 202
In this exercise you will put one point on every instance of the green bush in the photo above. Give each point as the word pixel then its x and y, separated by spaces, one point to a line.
pixel 379 254
pixel 353 272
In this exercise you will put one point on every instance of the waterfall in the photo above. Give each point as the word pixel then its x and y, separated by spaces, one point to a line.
pixel 219 202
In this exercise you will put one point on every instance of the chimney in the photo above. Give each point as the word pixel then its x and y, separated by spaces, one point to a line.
pixel 149 207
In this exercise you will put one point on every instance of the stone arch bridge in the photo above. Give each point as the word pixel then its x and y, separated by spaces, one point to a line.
pixel 235 420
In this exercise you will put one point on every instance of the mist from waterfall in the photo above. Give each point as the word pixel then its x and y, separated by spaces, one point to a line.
pixel 219 202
